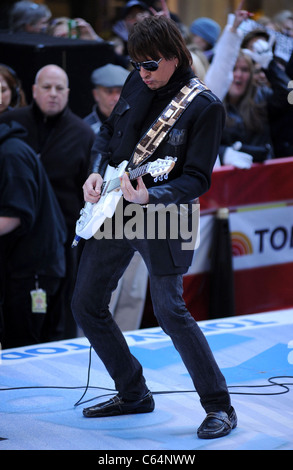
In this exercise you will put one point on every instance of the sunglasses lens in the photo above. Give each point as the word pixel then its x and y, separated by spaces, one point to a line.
pixel 149 65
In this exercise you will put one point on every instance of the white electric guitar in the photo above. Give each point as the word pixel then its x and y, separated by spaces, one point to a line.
pixel 93 215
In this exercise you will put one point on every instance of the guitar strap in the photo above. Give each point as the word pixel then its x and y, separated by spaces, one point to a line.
pixel 164 123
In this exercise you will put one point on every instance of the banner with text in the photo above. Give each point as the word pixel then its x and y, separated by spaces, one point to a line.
pixel 260 204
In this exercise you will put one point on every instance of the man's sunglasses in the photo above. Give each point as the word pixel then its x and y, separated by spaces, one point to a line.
pixel 149 65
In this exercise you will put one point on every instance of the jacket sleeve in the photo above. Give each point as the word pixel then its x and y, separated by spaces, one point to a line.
pixel 19 192
pixel 100 154
pixel 219 75
pixel 279 81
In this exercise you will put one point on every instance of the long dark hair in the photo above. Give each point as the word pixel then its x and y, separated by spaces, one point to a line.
pixel 155 37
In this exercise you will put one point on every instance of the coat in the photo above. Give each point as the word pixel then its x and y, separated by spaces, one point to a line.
pixel 63 144
pixel 194 141
pixel 37 246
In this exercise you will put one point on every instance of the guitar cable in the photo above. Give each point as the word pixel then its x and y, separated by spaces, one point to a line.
pixel 285 387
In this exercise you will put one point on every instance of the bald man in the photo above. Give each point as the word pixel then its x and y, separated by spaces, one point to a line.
pixel 63 142
pixel 51 90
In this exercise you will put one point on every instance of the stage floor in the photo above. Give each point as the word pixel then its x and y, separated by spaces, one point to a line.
pixel 41 385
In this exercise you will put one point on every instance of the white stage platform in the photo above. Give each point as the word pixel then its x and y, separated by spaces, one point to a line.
pixel 40 386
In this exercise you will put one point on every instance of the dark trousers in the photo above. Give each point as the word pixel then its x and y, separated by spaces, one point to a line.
pixel 101 266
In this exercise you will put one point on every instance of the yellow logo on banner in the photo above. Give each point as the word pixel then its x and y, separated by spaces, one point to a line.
pixel 241 244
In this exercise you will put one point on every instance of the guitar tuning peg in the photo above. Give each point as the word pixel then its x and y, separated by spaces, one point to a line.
pixel 155 179
pixel 160 178
pixel 166 176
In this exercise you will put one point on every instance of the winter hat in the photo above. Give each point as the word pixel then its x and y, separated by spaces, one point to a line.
pixel 131 4
pixel 207 29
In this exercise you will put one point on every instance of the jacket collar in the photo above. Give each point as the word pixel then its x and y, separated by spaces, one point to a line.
pixel 179 78
pixel 42 117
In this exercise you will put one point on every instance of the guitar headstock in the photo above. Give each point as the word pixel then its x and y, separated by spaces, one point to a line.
pixel 161 167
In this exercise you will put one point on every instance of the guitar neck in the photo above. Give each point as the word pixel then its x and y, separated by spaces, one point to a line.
pixel 140 171
pixel 133 174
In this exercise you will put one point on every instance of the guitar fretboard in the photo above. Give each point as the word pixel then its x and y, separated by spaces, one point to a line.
pixel 133 174
pixel 139 171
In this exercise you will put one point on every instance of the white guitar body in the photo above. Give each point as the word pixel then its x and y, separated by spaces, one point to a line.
pixel 92 216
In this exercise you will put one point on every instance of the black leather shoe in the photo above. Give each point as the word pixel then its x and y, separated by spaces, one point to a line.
pixel 117 406
pixel 217 424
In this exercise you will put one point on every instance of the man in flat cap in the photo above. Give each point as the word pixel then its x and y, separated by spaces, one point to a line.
pixel 107 84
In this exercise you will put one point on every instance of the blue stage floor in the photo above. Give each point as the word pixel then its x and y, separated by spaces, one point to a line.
pixel 40 412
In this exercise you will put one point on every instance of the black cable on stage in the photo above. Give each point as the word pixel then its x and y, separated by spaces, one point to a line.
pixel 272 383
pixel 285 386
pixel 88 377
pixel 80 402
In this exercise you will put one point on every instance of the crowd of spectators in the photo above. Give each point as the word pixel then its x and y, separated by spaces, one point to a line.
pixel 248 64
pixel 216 52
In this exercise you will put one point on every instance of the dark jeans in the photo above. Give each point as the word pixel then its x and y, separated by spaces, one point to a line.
pixel 102 264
